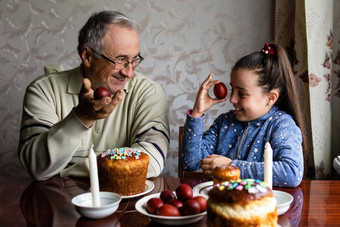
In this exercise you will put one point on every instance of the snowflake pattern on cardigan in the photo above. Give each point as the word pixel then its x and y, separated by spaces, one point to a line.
pixel 243 142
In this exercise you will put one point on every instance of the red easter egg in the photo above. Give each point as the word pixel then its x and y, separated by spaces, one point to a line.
pixel 153 204
pixel 220 90
pixel 191 207
pixel 202 201
pixel 168 210
pixel 184 192
pixel 101 92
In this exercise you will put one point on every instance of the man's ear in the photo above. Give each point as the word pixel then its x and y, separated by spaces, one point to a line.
pixel 86 56
pixel 272 97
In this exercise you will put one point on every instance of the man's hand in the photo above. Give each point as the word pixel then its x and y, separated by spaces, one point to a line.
pixel 89 110
pixel 208 164
pixel 203 100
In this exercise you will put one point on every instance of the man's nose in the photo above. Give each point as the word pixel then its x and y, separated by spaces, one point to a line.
pixel 128 70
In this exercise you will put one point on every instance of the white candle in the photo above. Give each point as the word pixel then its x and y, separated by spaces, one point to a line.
pixel 94 178
pixel 268 165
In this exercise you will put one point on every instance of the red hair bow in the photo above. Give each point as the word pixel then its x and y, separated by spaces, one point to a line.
pixel 267 49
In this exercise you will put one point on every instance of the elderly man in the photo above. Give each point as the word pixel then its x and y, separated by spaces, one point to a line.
pixel 61 119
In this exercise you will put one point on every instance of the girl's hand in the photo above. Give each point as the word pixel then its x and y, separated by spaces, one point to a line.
pixel 203 100
pixel 208 164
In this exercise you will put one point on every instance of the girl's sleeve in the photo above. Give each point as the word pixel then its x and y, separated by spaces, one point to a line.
pixel 197 144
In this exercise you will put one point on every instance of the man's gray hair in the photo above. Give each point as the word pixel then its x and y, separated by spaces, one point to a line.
pixel 93 32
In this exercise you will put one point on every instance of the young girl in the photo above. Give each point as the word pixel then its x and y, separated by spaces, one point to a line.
pixel 266 109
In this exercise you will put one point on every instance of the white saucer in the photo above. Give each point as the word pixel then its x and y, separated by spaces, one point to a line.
pixel 203 188
pixel 149 185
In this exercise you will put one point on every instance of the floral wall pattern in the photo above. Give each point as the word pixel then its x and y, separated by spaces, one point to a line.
pixel 182 42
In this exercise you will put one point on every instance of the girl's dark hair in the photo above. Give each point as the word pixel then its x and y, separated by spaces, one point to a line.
pixel 275 72
pixel 93 32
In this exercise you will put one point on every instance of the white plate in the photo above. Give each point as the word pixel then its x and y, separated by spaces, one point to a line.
pixel 166 220
pixel 203 188
pixel 149 185
pixel 284 200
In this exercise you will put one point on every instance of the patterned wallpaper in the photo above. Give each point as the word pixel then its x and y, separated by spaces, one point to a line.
pixel 182 42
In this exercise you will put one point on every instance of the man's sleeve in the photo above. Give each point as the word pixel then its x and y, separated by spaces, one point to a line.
pixel 47 142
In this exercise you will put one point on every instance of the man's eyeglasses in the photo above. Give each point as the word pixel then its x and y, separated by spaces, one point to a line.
pixel 122 63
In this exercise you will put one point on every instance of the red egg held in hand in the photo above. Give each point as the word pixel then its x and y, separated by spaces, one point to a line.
pixel 184 192
pixel 167 195
pixel 220 90
pixel 153 204
pixel 101 92
pixel 168 210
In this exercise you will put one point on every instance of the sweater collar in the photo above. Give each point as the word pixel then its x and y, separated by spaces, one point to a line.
pixel 75 81
pixel 129 85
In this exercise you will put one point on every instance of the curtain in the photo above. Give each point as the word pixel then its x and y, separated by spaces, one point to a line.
pixel 305 29
pixel 336 83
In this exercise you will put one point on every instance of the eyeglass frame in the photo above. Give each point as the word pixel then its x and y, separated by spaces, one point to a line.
pixel 126 64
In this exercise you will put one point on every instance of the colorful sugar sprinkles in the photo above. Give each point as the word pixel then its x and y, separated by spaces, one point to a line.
pixel 121 153
pixel 250 185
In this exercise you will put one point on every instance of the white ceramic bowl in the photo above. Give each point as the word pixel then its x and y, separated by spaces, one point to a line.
pixel 167 220
pixel 284 200
pixel 109 203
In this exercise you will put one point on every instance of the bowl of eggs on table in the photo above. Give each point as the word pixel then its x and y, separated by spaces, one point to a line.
pixel 179 207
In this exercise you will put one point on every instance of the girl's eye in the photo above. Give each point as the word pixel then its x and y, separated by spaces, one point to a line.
pixel 241 94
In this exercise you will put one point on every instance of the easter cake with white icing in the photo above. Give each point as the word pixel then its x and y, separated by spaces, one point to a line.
pixel 245 202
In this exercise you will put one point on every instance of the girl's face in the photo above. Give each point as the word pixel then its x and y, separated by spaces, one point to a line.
pixel 246 96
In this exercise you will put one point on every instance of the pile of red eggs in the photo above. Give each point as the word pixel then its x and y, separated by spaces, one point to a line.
pixel 180 204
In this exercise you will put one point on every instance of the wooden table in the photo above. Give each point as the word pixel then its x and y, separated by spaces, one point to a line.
pixel 24 202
